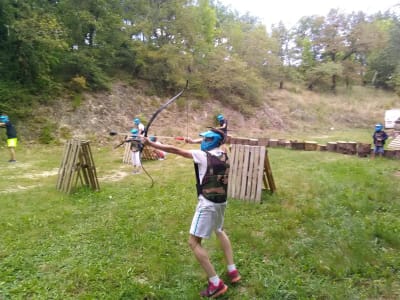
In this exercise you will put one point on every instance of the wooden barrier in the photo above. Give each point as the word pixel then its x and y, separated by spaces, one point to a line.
pixel 363 150
pixel 394 144
pixel 263 142
pixel 148 153
pixel 77 164
pixel 346 147
pixel 273 143
pixel 331 146
pixel 249 170
pixel 310 146
pixel 296 145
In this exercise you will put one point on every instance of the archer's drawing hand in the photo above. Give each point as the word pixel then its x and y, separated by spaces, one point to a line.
pixel 145 140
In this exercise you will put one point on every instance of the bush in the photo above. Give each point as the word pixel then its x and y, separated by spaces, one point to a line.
pixel 46 134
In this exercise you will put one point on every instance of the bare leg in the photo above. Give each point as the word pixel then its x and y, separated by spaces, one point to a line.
pixel 226 246
pixel 12 153
pixel 201 255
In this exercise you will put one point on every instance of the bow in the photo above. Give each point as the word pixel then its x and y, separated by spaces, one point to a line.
pixel 164 106
pixel 154 116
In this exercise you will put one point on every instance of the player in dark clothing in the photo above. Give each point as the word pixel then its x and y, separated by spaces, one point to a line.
pixel 11 136
pixel 379 138
pixel 223 124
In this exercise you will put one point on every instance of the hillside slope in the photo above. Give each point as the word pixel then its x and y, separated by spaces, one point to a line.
pixel 283 112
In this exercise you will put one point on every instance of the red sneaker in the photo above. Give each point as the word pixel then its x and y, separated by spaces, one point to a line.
pixel 234 276
pixel 213 291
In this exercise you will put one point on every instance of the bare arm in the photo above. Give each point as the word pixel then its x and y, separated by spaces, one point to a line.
pixel 191 141
pixel 169 148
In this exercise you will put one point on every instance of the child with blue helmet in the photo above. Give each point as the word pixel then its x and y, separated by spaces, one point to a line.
pixel 139 125
pixel 12 139
pixel 379 138
pixel 135 147
pixel 223 123
pixel 211 169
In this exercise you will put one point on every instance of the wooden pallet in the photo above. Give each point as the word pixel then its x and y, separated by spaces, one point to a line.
pixel 77 165
pixel 249 172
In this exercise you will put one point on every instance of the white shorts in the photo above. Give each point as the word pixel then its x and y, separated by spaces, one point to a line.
pixel 135 157
pixel 209 217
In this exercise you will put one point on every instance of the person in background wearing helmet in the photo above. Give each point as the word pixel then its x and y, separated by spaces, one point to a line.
pixel 223 124
pixel 161 155
pixel 379 139
pixel 139 126
pixel 11 136
pixel 135 151
pixel 212 169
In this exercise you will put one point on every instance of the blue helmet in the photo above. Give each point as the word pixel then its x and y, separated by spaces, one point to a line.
pixel 4 119
pixel 378 127
pixel 220 117
pixel 136 121
pixel 216 140
pixel 135 132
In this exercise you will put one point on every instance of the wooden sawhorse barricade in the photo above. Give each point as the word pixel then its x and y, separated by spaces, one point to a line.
pixel 249 172
pixel 77 164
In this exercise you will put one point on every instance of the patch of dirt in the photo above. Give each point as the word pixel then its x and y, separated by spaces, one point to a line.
pixel 19 188
pixel 116 176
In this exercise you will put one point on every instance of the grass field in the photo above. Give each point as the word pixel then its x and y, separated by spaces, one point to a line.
pixel 331 231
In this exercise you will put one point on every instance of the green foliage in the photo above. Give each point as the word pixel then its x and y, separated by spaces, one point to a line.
pixel 322 74
pixel 76 101
pixel 47 133
pixel 80 65
pixel 46 45
pixel 242 81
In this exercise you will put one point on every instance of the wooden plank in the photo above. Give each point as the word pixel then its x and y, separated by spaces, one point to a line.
pixel 235 170
pixel 268 174
pixel 126 159
pixel 95 183
pixel 67 172
pixel 254 156
pixel 232 170
pixel 244 172
pixel 238 181
pixel 74 166
pixel 69 168
pixel 250 169
pixel 260 173
pixel 61 170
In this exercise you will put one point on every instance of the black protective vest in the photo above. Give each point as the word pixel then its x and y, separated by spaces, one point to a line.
pixel 214 185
